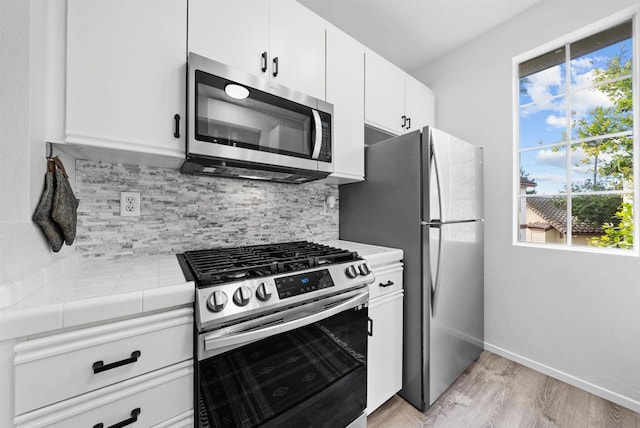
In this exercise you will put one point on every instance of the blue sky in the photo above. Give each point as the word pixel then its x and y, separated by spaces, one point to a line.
pixel 543 117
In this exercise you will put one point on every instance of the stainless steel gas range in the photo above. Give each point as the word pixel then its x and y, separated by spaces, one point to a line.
pixel 280 335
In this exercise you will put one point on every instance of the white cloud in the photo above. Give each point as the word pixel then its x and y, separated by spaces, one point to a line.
pixel 552 178
pixel 550 183
pixel 541 85
pixel 550 157
pixel 582 102
pixel 581 64
pixel 556 121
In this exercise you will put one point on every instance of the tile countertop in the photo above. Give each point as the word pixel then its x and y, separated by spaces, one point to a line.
pixel 375 255
pixel 72 292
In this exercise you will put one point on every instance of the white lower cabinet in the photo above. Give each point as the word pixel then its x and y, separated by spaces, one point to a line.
pixel 145 401
pixel 384 370
pixel 138 369
pixel 183 420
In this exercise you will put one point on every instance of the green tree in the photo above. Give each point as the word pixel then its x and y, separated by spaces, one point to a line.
pixel 596 210
pixel 612 158
pixel 619 235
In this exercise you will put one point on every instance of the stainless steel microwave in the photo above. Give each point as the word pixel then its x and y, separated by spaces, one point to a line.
pixel 241 125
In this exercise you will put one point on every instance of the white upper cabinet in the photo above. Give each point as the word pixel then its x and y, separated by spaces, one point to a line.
pixel 232 32
pixel 279 39
pixel 394 101
pixel 419 104
pixel 345 90
pixel 126 75
pixel 297 43
pixel 383 94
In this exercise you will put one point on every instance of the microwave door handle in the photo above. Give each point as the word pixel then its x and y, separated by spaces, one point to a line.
pixel 212 343
pixel 317 126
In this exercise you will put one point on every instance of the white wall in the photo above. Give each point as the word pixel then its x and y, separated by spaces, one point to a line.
pixel 575 316
pixel 31 108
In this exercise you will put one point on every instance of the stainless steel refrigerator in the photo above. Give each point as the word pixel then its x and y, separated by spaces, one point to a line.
pixel 423 193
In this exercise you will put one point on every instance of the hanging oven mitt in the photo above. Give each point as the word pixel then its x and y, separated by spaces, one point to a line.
pixel 42 215
pixel 65 205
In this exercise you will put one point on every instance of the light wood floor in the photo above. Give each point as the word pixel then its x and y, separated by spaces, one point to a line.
pixel 498 393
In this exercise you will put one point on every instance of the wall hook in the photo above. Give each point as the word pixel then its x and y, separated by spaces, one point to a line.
pixel 49 150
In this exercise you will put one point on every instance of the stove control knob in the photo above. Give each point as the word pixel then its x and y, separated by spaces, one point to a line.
pixel 242 295
pixel 351 272
pixel 263 292
pixel 364 269
pixel 217 301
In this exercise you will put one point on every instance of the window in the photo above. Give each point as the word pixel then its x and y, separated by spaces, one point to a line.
pixel 576 143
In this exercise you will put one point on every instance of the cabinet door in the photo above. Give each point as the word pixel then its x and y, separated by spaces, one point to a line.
pixel 232 32
pixel 126 74
pixel 419 104
pixel 383 94
pixel 384 360
pixel 345 90
pixel 297 40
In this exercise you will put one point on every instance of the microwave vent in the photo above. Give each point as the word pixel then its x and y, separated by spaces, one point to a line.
pixel 223 168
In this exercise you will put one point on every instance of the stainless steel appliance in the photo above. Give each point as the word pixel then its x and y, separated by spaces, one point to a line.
pixel 241 125
pixel 424 194
pixel 281 335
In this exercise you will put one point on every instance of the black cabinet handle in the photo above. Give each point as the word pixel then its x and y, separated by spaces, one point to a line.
pixel 388 284
pixel 404 121
pixel 264 61
pixel 369 326
pixel 408 122
pixel 176 132
pixel 134 417
pixel 275 66
pixel 99 366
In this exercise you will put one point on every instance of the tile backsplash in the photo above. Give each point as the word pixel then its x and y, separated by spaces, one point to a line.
pixel 185 212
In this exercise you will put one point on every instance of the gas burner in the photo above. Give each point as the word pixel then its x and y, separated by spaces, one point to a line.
pixel 223 265
pixel 236 275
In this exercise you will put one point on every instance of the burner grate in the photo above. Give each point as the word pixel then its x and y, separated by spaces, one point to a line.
pixel 220 265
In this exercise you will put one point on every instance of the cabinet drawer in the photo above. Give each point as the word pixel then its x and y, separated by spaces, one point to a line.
pixel 183 420
pixel 54 368
pixel 388 280
pixel 151 399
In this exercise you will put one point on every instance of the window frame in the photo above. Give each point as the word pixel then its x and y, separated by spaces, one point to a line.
pixel 561 42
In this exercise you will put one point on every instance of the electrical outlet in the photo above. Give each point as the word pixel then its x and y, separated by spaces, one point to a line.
pixel 130 204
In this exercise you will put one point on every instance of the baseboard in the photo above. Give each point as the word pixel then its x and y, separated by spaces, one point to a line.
pixel 614 397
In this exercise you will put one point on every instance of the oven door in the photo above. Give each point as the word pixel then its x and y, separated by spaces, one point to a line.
pixel 303 367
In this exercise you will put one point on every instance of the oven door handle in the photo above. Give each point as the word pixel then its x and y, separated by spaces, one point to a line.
pixel 234 340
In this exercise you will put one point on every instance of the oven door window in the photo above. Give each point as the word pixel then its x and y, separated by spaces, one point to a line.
pixel 261 122
pixel 311 376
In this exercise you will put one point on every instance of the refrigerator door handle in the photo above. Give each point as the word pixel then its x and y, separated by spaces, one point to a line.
pixel 434 223
pixel 434 271
pixel 438 223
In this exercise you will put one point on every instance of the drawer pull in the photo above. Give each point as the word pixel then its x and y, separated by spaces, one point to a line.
pixel 388 284
pixel 99 366
pixel 134 417
pixel 176 132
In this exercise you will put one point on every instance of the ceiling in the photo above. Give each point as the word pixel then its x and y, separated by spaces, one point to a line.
pixel 411 33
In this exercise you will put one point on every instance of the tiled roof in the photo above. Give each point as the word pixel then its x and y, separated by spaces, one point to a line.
pixel 555 214
pixel 528 183
pixel 539 225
